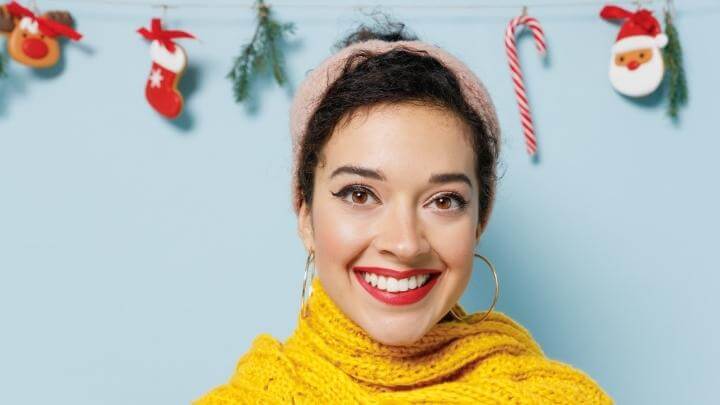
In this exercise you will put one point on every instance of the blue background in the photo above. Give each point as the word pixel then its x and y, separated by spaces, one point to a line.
pixel 140 257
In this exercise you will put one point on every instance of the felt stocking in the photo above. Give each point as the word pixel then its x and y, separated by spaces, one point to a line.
pixel 161 87
pixel 168 64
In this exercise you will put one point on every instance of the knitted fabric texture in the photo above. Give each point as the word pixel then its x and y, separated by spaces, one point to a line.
pixel 331 360
pixel 312 90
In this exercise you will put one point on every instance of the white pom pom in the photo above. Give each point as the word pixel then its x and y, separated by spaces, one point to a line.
pixel 661 40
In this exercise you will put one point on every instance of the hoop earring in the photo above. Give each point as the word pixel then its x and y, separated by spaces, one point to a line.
pixel 459 315
pixel 310 258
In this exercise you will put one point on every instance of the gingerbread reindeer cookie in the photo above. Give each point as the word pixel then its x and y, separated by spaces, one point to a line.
pixel 32 39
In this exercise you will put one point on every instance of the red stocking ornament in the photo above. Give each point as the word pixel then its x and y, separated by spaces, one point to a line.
pixel 168 64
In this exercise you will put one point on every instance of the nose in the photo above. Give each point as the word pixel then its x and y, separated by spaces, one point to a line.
pixel 400 234
pixel 35 48
pixel 633 65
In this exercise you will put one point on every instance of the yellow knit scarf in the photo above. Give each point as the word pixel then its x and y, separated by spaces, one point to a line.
pixel 331 360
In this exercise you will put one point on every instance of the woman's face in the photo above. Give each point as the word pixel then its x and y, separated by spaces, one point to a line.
pixel 395 190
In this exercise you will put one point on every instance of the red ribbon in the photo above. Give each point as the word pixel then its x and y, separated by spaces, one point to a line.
pixel 48 27
pixel 156 33
pixel 642 17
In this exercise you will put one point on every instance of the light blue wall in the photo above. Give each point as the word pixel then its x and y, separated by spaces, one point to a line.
pixel 139 258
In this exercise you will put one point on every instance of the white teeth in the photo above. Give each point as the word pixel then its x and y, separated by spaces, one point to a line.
pixel 394 285
pixel 382 282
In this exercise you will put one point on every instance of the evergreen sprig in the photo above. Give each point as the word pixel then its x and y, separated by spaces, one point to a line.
pixel 672 55
pixel 262 50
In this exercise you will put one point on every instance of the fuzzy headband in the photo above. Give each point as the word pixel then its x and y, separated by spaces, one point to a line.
pixel 312 89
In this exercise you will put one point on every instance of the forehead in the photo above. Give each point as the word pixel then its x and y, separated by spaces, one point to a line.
pixel 401 139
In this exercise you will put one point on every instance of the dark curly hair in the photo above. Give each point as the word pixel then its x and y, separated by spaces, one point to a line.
pixel 396 76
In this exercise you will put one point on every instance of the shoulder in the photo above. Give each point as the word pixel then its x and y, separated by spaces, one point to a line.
pixel 518 366
pixel 256 376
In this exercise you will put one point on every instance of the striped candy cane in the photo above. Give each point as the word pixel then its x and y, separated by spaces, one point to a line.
pixel 516 73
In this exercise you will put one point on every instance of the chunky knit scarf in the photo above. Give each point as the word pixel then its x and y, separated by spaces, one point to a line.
pixel 331 360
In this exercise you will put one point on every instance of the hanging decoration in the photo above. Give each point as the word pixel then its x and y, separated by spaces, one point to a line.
pixel 168 65
pixel 672 55
pixel 262 50
pixel 34 40
pixel 516 73
pixel 636 63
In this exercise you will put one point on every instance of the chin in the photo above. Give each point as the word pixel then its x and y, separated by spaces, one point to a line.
pixel 396 339
pixel 396 332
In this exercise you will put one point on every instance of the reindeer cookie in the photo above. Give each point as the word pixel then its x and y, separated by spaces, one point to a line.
pixel 33 40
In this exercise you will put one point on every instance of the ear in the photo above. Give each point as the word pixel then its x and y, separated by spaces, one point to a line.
pixel 62 17
pixel 305 228
pixel 7 22
pixel 478 232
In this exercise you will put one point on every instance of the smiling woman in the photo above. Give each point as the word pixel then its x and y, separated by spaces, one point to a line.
pixel 396 145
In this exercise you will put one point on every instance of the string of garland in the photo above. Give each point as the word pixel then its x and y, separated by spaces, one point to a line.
pixel 259 52
pixel 672 56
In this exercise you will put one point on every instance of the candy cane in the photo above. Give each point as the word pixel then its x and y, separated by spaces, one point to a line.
pixel 516 73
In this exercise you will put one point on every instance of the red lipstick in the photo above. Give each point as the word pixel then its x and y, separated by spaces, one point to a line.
pixel 399 297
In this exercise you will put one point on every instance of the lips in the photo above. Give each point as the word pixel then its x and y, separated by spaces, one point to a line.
pixel 400 297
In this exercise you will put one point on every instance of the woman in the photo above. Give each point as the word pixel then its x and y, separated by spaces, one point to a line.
pixel 395 147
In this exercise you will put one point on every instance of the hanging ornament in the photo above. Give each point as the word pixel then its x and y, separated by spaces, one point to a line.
pixel 168 65
pixel 516 73
pixel 636 63
pixel 261 51
pixel 672 56
pixel 32 39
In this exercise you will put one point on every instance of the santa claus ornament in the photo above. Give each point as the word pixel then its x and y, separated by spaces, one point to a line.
pixel 33 40
pixel 636 63
pixel 168 64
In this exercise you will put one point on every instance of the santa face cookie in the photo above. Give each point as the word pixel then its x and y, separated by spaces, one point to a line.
pixel 636 63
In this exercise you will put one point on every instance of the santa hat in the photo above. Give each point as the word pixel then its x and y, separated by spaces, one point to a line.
pixel 640 29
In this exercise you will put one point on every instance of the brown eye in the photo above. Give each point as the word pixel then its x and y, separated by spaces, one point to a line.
pixel 443 203
pixel 450 202
pixel 358 195
pixel 642 55
pixel 622 59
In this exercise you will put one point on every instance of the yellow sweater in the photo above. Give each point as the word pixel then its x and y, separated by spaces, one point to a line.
pixel 331 360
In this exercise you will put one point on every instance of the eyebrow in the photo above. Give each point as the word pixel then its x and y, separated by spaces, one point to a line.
pixel 378 175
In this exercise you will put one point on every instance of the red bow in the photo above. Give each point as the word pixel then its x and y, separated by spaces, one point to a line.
pixel 642 18
pixel 156 33
pixel 48 27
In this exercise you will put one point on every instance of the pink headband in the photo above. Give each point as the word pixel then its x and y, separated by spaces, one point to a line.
pixel 312 90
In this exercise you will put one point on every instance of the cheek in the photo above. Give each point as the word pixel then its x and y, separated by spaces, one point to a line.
pixel 339 238
pixel 454 243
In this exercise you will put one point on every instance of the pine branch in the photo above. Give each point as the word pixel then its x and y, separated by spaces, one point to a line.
pixel 672 56
pixel 263 50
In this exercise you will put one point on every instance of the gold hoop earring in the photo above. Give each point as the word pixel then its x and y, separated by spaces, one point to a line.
pixel 310 258
pixel 460 313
